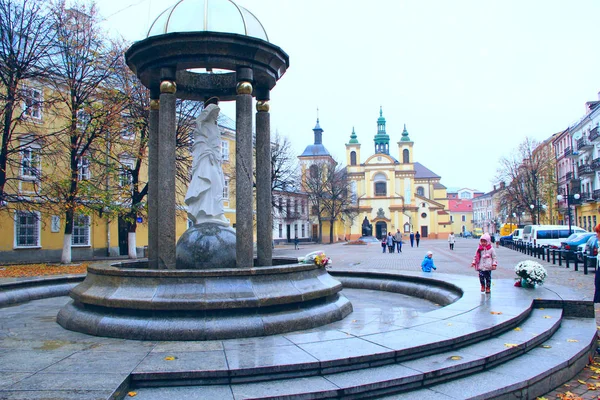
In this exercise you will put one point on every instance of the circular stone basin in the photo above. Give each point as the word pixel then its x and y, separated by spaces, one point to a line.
pixel 148 304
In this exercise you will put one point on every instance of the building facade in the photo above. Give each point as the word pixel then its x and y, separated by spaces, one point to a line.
pixel 393 191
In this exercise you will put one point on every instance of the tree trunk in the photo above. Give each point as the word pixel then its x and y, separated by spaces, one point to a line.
pixel 331 231
pixel 131 246
pixel 320 231
pixel 65 257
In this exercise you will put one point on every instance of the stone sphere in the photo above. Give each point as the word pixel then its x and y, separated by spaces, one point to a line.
pixel 206 246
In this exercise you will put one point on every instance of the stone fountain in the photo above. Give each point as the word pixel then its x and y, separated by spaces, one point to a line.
pixel 209 286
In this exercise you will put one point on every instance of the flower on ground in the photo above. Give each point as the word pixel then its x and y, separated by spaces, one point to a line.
pixel 531 271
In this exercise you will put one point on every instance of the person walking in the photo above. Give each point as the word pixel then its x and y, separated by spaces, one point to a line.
pixel 384 242
pixel 427 264
pixel 417 238
pixel 398 240
pixel 390 242
pixel 451 240
pixel 296 241
pixel 485 261
pixel 497 239
pixel 412 239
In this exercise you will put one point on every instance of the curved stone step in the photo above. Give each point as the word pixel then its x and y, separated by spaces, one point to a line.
pixel 540 325
pixel 526 370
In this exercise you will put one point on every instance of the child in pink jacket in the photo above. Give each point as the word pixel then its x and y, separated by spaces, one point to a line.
pixel 485 262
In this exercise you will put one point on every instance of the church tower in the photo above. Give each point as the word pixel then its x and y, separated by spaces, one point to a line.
pixel 405 149
pixel 353 150
pixel 382 140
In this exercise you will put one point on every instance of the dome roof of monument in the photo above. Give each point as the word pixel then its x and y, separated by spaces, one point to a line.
pixel 207 15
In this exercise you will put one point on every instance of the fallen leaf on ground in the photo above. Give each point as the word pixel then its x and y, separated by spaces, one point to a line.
pixel 572 340
pixel 517 329
pixel 132 394
pixel 495 312
pixel 170 358
pixel 19 271
pixel 509 345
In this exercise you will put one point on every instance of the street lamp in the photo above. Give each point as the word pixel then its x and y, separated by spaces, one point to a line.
pixel 569 199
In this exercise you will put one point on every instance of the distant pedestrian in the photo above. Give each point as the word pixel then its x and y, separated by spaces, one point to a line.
pixel 427 264
pixel 497 239
pixel 412 239
pixel 451 240
pixel 296 241
pixel 384 242
pixel 597 277
pixel 390 242
pixel 398 240
pixel 417 238
pixel 485 261
pixel 493 239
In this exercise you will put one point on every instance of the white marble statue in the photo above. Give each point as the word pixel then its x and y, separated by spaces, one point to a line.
pixel 204 197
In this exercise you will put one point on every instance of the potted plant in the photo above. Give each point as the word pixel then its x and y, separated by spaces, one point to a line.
pixel 530 273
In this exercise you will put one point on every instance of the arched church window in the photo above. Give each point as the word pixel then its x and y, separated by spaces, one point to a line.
pixel 421 191
pixel 380 184
pixel 352 158
pixel 405 158
pixel 313 171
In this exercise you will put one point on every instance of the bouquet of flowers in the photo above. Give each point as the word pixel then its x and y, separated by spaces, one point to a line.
pixel 321 260
pixel 531 272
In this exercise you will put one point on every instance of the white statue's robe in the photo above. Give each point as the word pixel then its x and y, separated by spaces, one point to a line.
pixel 204 197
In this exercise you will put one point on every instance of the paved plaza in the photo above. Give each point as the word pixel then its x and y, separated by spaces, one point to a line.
pixel 41 360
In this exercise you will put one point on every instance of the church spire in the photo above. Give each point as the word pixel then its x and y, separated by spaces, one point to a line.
pixel 405 137
pixel 353 138
pixel 382 140
pixel 318 133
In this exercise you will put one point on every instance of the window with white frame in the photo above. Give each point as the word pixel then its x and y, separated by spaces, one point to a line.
pixel 83 169
pixel 30 162
pixel 125 177
pixel 83 120
pixel 226 189
pixel 32 102
pixel 81 230
pixel 27 229
pixel 224 150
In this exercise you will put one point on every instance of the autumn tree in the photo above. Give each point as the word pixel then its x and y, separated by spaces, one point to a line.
pixel 26 37
pixel 527 178
pixel 316 187
pixel 338 202
pixel 82 65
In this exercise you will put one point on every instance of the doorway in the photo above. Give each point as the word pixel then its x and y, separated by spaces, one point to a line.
pixel 380 229
pixel 424 231
pixel 288 232
pixel 123 240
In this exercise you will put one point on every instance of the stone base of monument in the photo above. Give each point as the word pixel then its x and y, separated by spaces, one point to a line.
pixel 130 301
pixel 206 246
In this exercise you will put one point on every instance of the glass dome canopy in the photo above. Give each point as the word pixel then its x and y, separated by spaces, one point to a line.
pixel 207 15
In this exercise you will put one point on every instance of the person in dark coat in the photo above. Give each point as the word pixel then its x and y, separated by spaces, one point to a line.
pixel 412 239
pixel 597 277
pixel 417 238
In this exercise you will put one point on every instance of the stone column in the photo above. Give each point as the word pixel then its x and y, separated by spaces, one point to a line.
pixel 243 169
pixel 166 170
pixel 264 209
pixel 153 181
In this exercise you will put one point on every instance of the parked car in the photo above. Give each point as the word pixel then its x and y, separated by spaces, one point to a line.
pixel 590 249
pixel 570 246
pixel 477 233
pixel 467 234
pixel 504 240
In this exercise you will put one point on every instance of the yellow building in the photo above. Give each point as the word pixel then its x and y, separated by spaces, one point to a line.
pixel 395 193
pixel 33 235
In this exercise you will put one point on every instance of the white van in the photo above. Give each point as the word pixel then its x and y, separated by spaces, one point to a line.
pixel 551 235
pixel 517 235
pixel 527 233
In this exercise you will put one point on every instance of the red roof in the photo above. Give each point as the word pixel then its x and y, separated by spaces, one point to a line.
pixel 460 205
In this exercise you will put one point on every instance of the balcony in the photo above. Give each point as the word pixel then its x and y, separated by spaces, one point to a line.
pixel 585 169
pixel 568 176
pixel 586 197
pixel 595 164
pixel 594 134
pixel 596 194
pixel 583 144
pixel 570 153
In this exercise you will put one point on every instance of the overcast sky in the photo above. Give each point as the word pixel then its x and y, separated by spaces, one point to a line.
pixel 469 78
